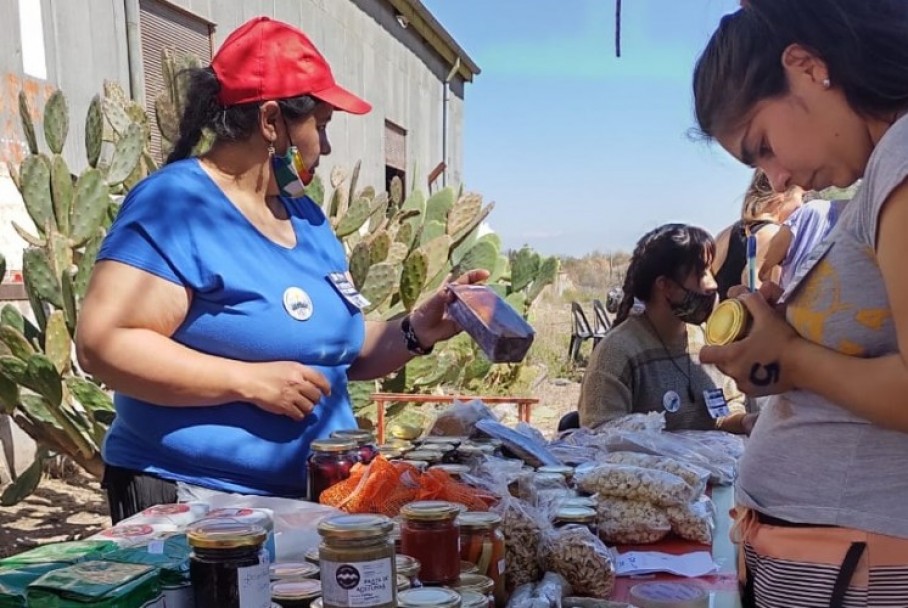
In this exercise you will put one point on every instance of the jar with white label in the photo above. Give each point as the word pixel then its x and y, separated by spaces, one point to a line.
pixel 228 566
pixel 357 562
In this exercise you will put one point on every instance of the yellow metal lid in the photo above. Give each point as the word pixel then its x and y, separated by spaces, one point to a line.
pixel 726 323
pixel 478 520
pixel 221 534
pixel 428 597
pixel 294 570
pixel 333 445
pixel 355 527
pixel 296 590
pixel 430 510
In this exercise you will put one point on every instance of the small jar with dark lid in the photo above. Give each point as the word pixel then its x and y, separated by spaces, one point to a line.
pixel 295 594
pixel 429 533
pixel 577 516
pixel 365 443
pixel 429 597
pixel 329 464
pixel 220 549
pixel 357 562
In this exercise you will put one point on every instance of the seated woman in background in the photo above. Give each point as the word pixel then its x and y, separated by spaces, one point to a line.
pixel 762 212
pixel 649 362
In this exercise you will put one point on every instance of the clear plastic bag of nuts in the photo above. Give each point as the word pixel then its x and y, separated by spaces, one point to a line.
pixel 694 521
pixel 696 477
pixel 631 522
pixel 581 558
pixel 522 526
pixel 635 483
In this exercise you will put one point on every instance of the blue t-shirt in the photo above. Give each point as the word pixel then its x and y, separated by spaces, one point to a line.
pixel 178 224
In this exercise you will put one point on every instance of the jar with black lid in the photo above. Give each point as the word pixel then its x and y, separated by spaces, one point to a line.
pixel 228 567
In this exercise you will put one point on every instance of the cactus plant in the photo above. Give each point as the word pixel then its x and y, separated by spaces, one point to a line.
pixel 40 386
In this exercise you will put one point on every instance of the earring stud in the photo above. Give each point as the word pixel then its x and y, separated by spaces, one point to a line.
pixel 826 83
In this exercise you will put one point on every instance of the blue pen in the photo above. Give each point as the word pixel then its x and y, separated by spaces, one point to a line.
pixel 752 262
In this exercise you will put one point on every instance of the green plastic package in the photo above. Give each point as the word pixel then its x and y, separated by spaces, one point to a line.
pixel 97 584
pixel 15 581
pixel 62 553
pixel 171 557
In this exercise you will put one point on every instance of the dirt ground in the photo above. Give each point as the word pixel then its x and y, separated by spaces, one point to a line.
pixel 58 511
pixel 76 508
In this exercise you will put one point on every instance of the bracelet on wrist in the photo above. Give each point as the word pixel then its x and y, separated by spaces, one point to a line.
pixel 413 343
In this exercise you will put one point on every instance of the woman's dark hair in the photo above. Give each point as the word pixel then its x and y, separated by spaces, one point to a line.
pixel 672 250
pixel 864 44
pixel 231 123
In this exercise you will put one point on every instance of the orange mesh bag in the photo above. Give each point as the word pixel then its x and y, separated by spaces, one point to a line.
pixel 438 485
pixel 377 488
pixel 337 495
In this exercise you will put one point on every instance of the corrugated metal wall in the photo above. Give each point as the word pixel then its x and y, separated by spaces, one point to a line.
pixel 161 27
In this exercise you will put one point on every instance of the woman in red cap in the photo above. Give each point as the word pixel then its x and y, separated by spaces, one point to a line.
pixel 220 310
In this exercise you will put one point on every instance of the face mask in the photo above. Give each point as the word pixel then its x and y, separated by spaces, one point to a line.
pixel 290 172
pixel 695 308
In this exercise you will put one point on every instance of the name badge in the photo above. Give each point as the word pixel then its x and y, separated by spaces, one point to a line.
pixel 298 304
pixel 716 403
pixel 343 283
pixel 671 401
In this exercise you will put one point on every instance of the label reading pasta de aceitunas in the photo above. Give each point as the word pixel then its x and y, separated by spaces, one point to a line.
pixel 358 584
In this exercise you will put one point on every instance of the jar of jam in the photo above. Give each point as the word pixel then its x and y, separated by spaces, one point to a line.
pixel 365 443
pixel 576 515
pixel 329 463
pixel 482 543
pixel 480 585
pixel 228 566
pixel 429 597
pixel 430 534
pixel 357 562
pixel 409 568
pixel 295 594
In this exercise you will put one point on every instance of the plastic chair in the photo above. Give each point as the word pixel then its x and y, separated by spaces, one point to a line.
pixel 602 323
pixel 580 331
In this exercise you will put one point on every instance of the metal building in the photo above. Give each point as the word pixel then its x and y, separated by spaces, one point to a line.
pixel 393 53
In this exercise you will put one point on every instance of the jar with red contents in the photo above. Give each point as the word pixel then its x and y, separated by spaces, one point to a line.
pixel 366 447
pixel 329 464
pixel 429 533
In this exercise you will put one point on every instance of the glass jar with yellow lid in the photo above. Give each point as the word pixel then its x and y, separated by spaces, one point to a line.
pixel 228 563
pixel 429 597
pixel 730 321
pixel 357 562
pixel 295 594
pixel 366 448
pixel 429 533
pixel 329 463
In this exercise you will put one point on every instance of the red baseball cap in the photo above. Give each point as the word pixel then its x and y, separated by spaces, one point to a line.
pixel 266 59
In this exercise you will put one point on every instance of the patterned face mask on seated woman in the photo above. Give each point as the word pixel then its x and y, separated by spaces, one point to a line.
pixel 696 307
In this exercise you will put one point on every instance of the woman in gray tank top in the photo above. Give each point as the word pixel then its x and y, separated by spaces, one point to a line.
pixel 815 93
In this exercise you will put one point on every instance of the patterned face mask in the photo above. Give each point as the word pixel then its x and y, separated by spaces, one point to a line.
pixel 290 172
pixel 696 307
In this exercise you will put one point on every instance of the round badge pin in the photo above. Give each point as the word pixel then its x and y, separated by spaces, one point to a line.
pixel 671 401
pixel 298 304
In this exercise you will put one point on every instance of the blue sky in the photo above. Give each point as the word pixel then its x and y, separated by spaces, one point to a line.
pixel 581 150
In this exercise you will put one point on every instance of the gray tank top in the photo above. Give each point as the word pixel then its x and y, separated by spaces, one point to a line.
pixel 809 460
